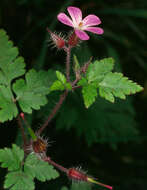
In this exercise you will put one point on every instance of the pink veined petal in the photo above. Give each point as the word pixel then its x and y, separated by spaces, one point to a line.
pixel 62 17
pixel 91 20
pixel 81 34
pixel 75 14
pixel 96 30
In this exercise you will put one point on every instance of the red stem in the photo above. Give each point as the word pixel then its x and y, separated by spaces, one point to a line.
pixel 68 51
pixel 53 112
pixel 22 131
pixel 56 165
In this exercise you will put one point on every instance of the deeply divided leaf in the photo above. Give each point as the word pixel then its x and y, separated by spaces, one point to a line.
pixel 61 83
pixel 116 85
pixel 110 84
pixel 89 94
pixel 31 92
pixel 97 70
pixel 61 77
pixel 11 158
pixel 11 66
pixel 8 109
pixel 57 85
pixel 39 169
pixel 18 180
pixel 22 173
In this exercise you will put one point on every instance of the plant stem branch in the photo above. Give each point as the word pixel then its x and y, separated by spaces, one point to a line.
pixel 56 165
pixel 68 51
pixel 53 112
pixel 22 131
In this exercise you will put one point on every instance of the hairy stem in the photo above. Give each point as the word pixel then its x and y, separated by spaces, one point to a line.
pixel 68 51
pixel 22 131
pixel 53 112
pixel 56 165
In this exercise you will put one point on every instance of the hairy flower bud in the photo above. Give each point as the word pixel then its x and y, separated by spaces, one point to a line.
pixel 38 146
pixel 73 40
pixel 57 39
pixel 77 175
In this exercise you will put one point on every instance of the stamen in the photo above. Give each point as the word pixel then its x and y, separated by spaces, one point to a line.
pixel 80 24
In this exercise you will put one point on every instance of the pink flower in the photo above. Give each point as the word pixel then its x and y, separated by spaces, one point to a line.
pixel 80 25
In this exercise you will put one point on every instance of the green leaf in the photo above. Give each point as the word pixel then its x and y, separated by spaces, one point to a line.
pixel 81 186
pixel 97 70
pixel 11 66
pixel 8 109
pixel 31 93
pixel 78 186
pixel 68 86
pixel 82 82
pixel 89 94
pixel 61 77
pixel 18 181
pixel 57 85
pixel 89 91
pixel 64 188
pixel 77 65
pixel 102 120
pixel 61 83
pixel 116 85
pixel 11 158
pixel 35 167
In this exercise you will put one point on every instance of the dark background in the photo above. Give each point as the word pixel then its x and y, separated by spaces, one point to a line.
pixel 111 143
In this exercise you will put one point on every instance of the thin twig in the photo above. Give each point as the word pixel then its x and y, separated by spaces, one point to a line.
pixel 56 165
pixel 53 112
pixel 68 51
pixel 22 131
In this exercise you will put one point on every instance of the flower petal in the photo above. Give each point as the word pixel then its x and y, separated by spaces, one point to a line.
pixel 82 35
pixel 75 14
pixel 96 30
pixel 91 20
pixel 64 19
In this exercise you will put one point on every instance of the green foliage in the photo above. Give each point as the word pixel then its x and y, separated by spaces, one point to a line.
pixel 110 84
pixel 9 61
pixel 89 94
pixel 105 122
pixel 11 158
pixel 61 83
pixel 114 84
pixel 18 180
pixel 39 169
pixel 22 178
pixel 64 188
pixel 77 65
pixel 97 70
pixel 8 108
pixel 78 186
pixel 31 93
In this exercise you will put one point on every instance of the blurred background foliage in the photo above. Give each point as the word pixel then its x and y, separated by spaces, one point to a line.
pixel 108 140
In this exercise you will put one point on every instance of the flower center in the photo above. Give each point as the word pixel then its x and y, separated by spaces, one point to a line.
pixel 80 25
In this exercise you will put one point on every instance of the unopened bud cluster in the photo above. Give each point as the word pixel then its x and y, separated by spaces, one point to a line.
pixel 38 146
pixel 60 42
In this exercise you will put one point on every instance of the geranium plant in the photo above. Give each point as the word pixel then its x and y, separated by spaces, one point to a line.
pixel 22 91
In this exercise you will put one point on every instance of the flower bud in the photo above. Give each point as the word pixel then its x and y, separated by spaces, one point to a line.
pixel 78 175
pixel 73 40
pixel 57 40
pixel 39 146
